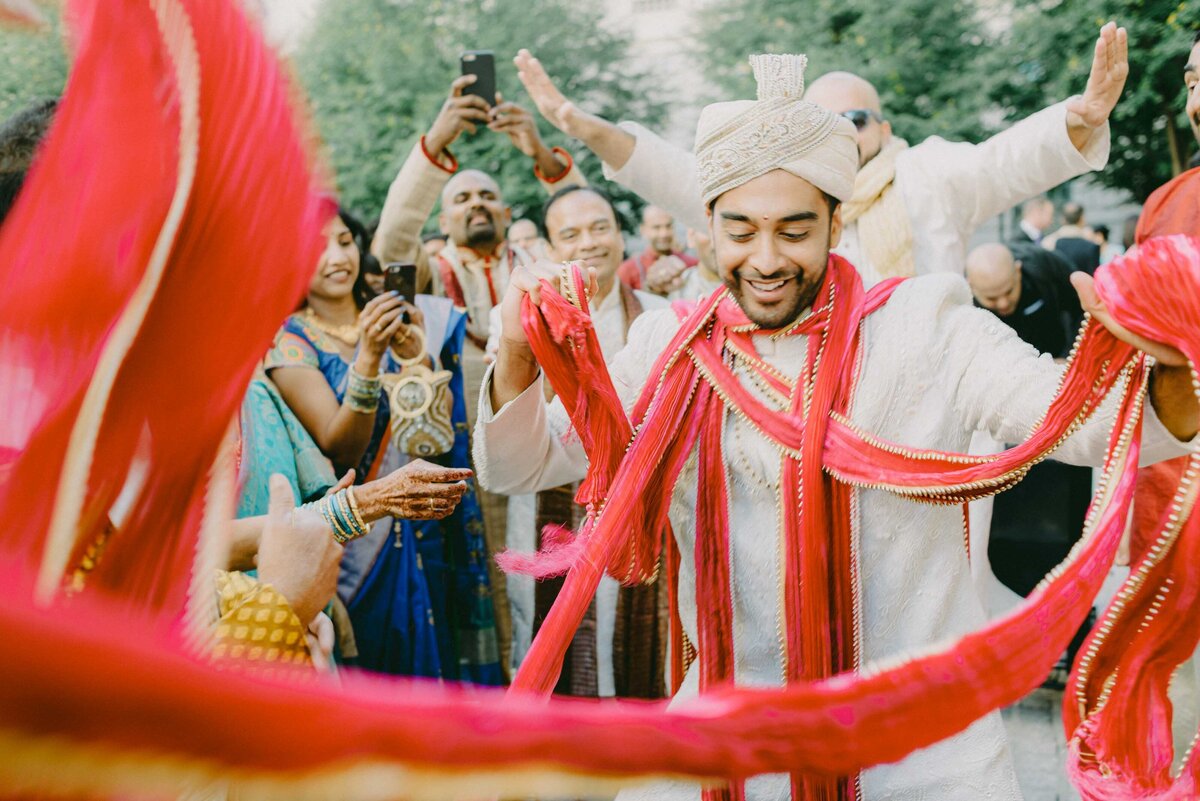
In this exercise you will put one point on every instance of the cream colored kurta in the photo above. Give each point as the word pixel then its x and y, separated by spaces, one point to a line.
pixel 948 188
pixel 934 369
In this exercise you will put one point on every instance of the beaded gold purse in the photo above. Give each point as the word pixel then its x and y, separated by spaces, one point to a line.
pixel 421 405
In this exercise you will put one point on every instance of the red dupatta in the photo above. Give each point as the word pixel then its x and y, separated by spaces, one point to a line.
pixel 853 457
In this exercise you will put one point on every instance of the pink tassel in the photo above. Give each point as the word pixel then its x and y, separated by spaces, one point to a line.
pixel 560 550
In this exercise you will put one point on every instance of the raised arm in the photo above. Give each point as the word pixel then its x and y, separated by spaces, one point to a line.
pixel 633 156
pixel 416 188
pixel 972 183
pixel 1000 384
pixel 613 145
pixel 553 167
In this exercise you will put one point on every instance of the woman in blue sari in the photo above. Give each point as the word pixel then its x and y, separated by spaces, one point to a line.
pixel 417 593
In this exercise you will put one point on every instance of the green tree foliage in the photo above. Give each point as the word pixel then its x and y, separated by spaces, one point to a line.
pixel 35 67
pixel 1047 53
pixel 377 72
pixel 921 55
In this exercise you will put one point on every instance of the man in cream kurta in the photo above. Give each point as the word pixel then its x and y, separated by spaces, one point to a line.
pixel 943 190
pixel 918 205
pixel 933 369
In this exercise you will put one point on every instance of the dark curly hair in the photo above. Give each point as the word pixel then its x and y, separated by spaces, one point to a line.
pixel 367 263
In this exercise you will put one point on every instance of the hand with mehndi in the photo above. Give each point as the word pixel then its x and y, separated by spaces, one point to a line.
pixel 418 491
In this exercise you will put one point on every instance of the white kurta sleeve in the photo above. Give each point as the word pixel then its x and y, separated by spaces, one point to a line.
pixel 528 445
pixel 1002 385
pixel 971 183
pixel 664 174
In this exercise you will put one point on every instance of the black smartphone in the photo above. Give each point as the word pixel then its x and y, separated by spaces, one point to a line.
pixel 481 64
pixel 401 277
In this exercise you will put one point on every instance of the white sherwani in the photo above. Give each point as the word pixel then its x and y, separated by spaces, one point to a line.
pixel 949 188
pixel 934 369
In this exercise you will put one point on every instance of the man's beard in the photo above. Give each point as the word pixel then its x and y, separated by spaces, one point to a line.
pixel 484 234
pixel 779 316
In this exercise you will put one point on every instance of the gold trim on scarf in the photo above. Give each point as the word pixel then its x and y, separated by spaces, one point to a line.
pixel 180 46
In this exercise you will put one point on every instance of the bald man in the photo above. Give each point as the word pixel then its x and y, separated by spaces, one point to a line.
pixel 472 270
pixel 1029 288
pixel 661 266
pixel 914 208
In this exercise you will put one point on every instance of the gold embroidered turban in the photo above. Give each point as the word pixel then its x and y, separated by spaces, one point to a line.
pixel 740 140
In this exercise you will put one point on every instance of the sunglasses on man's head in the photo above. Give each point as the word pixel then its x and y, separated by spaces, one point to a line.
pixel 861 116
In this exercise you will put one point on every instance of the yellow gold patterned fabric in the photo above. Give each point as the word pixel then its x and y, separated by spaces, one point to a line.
pixel 257 624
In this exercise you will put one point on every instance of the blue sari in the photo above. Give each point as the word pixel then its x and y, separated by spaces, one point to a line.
pixel 274 441
pixel 418 593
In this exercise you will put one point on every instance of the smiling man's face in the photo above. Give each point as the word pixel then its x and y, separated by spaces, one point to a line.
pixel 583 226
pixel 771 237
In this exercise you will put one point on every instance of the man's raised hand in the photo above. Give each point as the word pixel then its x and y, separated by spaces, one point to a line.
pixel 527 280
pixel 517 123
pixel 459 113
pixel 613 145
pixel 550 102
pixel 1106 81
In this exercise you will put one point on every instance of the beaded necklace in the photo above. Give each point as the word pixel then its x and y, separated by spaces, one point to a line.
pixel 349 334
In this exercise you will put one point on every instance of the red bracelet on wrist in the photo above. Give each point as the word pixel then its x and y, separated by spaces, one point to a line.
pixel 558 151
pixel 453 168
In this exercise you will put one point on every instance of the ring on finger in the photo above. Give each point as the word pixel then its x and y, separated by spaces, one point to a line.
pixel 379 327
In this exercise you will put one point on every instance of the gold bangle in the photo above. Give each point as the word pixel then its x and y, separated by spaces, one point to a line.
pixel 354 510
pixel 419 334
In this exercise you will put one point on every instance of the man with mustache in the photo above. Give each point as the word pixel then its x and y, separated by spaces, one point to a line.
pixel 914 208
pixel 929 369
pixel 474 267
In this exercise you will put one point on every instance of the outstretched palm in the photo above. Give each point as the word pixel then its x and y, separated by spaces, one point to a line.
pixel 1110 68
pixel 550 102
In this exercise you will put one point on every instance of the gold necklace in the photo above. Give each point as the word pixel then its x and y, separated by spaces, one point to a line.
pixel 348 334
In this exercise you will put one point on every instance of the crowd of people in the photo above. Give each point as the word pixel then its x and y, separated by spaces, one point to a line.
pixel 413 437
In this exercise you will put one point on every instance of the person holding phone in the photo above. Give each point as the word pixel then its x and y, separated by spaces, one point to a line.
pixel 410 604
pixel 472 270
